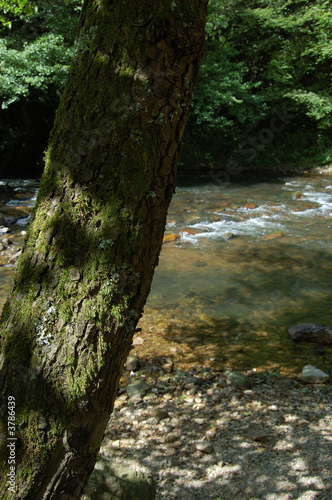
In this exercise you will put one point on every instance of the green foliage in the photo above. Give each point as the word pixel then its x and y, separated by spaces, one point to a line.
pixel 223 94
pixel 14 9
pixel 261 56
pixel 40 64
pixel 36 47
pixel 290 52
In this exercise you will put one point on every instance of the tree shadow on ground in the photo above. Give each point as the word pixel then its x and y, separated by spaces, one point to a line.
pixel 271 442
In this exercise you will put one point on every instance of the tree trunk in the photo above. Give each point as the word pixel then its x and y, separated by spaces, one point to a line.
pixel 94 242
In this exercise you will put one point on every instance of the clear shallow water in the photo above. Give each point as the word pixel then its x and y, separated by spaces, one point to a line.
pixel 251 258
pixel 15 204
pixel 258 261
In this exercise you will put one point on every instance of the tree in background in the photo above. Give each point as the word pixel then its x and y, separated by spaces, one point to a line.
pixel 263 58
pixel 87 265
pixel 36 46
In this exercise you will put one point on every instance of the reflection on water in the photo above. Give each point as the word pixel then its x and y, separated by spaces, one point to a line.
pixel 251 258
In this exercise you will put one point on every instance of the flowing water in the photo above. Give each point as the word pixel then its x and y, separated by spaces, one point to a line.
pixel 252 258
pixel 247 260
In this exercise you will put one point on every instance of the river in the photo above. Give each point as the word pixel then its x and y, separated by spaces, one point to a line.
pixel 247 260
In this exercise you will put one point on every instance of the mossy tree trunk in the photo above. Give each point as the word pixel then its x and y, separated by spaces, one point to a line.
pixel 94 242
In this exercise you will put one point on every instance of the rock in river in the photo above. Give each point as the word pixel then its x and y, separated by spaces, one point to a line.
pixel 310 332
pixel 170 237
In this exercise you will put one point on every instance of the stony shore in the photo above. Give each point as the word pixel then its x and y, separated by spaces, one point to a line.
pixel 203 433
pixel 208 434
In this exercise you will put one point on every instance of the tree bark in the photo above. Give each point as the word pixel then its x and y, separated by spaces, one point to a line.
pixel 86 269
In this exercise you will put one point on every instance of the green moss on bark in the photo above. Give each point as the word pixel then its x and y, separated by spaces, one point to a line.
pixel 87 266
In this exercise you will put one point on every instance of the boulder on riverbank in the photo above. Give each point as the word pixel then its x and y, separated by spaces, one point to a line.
pixel 313 375
pixel 238 380
pixel 310 332
pixel 118 483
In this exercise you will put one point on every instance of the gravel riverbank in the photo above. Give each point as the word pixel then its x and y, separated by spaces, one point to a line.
pixel 200 433
pixel 203 435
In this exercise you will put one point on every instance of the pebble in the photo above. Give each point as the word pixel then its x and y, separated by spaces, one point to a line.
pixel 132 363
pixel 259 435
pixel 138 341
pixel 199 421
pixel 160 414
pixel 204 447
pixel 137 390
pixel 238 380
pixel 189 399
pixel 191 380
pixel 168 367
pixel 195 442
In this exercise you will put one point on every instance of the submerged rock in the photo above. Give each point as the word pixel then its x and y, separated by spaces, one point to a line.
pixel 250 206
pixel 6 191
pixel 171 237
pixel 273 236
pixel 310 332
pixel 109 482
pixel 228 236
pixel 2 221
pixel 191 232
pixel 7 242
